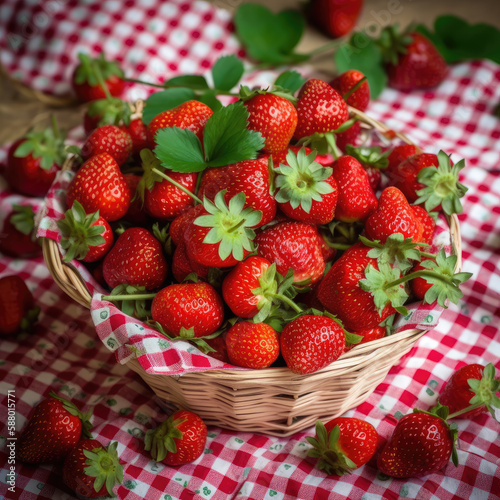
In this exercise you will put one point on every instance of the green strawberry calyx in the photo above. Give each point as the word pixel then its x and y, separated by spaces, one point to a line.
pixel 442 186
pixel 385 284
pixel 246 93
pixel 441 412
pixel 392 43
pixel 111 111
pixel 47 145
pixel 103 464
pixel 132 300
pixel 162 440
pixel 369 156
pixel 79 232
pixel 23 219
pixel 326 447
pixel 302 181
pixel 29 319
pixel 231 225
pixel 91 70
pixel 485 392
pixel 73 410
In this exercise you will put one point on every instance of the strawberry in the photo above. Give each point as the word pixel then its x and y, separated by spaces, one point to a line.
pixel 191 115
pixel 343 444
pixel 369 334
pixel 220 349
pixel 136 259
pixel 178 440
pixel 91 74
pixel 293 244
pixel 92 470
pixel 34 160
pixel 182 266
pixel 393 215
pixel 320 110
pixel 138 132
pixel 100 186
pixel 222 234
pixel 179 225
pixel 399 154
pixel 274 116
pixel 427 222
pixel 252 345
pixel 373 160
pixel 422 443
pixel 306 191
pixel 430 179
pixel 356 199
pixel 54 428
pixel 349 136
pixel 250 177
pixel 109 111
pixel 188 307
pixel 135 213
pixel 18 235
pixel 311 342
pixel 84 237
pixel 419 286
pixel 335 18
pixel 345 82
pixel 340 292
pixel 17 306
pixel 471 385
pixel 108 139
pixel 412 60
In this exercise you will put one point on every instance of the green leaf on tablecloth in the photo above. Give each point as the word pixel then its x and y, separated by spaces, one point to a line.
pixel 227 71
pixel 269 37
pixel 363 54
pixel 164 100
pixel 457 40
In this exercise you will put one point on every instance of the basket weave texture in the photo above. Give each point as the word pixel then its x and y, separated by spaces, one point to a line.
pixel 273 401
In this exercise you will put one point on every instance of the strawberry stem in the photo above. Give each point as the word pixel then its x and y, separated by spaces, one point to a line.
pixel 163 86
pixel 138 296
pixel 353 89
pixel 176 184
pixel 465 410
pixel 100 79
pixel 335 44
pixel 417 274
pixel 286 300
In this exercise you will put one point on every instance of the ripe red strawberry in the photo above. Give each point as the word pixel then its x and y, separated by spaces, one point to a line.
pixel 222 234
pixel 356 199
pixel 136 259
pixel 92 470
pixel 419 286
pixel 349 136
pixel 244 288
pixel 422 443
pixel 195 307
pixel 335 18
pixel 179 225
pixel 18 235
pixel 164 201
pixel 108 139
pixel 412 60
pixel 250 177
pixel 138 132
pixel 309 343
pixel 399 154
pixel 85 237
pixel 86 81
pixel 178 440
pixel 54 427
pixel 252 345
pixel 182 266
pixel 135 213
pixel 343 444
pixel 99 185
pixel 393 215
pixel 472 384
pixel 340 291
pixel 306 191
pixel 346 81
pixel 219 344
pixel 320 109
pixel 427 221
pixel 33 162
pixel 274 116
pixel 293 244
pixel 191 115
pixel 373 160
pixel 17 306
pixel 369 334
pixel 430 179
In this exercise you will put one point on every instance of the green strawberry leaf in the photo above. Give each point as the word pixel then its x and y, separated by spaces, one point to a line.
pixel 291 80
pixel 195 82
pixel 457 40
pixel 226 72
pixel 23 218
pixel 209 97
pixel 269 37
pixel 363 54
pixel 164 100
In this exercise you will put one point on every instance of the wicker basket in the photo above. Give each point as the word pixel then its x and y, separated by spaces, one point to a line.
pixel 273 401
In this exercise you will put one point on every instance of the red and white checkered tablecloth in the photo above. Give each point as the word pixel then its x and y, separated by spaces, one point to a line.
pixel 63 353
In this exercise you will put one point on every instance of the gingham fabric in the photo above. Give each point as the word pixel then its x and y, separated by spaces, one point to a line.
pixel 64 354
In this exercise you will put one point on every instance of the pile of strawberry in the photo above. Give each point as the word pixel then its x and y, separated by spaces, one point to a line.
pixel 256 230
